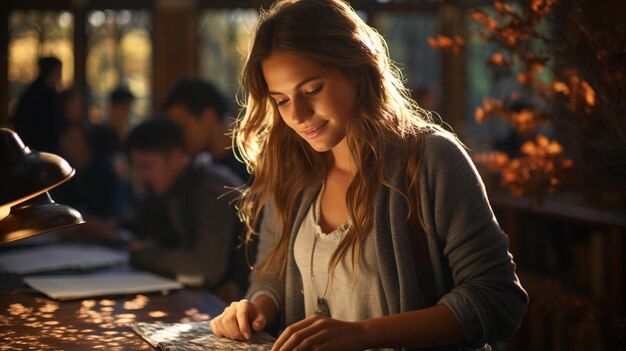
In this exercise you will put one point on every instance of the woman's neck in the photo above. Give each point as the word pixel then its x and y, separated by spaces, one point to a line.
pixel 341 159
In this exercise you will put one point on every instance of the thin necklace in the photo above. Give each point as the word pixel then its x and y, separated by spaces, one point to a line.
pixel 321 302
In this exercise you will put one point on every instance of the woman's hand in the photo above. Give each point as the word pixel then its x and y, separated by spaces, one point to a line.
pixel 321 333
pixel 237 320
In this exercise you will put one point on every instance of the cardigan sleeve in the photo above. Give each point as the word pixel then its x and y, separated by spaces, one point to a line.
pixel 269 236
pixel 486 297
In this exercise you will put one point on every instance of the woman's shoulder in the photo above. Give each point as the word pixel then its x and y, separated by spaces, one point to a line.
pixel 433 153
pixel 443 149
pixel 439 140
pixel 428 144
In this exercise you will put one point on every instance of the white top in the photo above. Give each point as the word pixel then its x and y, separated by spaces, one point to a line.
pixel 348 299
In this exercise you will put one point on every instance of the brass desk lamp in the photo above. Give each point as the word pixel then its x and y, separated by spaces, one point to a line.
pixel 26 175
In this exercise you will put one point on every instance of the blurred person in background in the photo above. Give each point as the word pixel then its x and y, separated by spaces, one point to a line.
pixel 186 224
pixel 73 107
pixel 95 190
pixel 112 133
pixel 199 109
pixel 38 115
pixel 110 136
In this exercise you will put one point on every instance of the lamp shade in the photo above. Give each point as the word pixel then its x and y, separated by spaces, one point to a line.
pixel 27 173
pixel 35 216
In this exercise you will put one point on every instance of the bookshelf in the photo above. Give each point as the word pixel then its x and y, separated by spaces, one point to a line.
pixel 570 260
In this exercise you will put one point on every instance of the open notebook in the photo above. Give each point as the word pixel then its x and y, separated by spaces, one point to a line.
pixel 78 286
pixel 196 336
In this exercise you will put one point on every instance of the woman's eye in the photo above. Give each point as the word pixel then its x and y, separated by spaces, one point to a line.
pixel 280 102
pixel 313 92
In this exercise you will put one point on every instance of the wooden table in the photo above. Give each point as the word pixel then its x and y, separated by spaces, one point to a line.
pixel 31 321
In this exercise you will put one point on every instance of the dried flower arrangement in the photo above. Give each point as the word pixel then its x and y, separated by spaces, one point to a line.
pixel 584 102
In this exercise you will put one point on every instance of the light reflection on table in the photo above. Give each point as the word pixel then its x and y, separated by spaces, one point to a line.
pixel 29 321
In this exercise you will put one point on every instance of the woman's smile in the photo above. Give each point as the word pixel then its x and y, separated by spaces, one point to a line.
pixel 312 132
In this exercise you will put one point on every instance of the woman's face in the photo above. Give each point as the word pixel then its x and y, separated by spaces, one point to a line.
pixel 315 101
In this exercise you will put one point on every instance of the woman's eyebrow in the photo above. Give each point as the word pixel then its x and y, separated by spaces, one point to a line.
pixel 299 85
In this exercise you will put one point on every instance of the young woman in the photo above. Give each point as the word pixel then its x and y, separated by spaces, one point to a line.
pixel 346 167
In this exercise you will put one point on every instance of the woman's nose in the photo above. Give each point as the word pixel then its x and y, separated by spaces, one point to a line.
pixel 300 111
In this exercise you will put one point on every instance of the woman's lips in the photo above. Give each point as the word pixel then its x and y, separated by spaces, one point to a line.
pixel 315 131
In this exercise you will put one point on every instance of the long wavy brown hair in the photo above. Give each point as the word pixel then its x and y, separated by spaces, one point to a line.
pixel 331 34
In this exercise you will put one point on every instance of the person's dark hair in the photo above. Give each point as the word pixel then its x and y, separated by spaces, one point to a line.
pixel 47 64
pixel 121 95
pixel 196 95
pixel 155 134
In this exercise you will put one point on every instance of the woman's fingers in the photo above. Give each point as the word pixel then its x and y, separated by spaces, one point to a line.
pixel 241 314
pixel 306 338
pixel 234 322
pixel 320 333
pixel 259 322
pixel 217 329
pixel 300 329
pixel 230 323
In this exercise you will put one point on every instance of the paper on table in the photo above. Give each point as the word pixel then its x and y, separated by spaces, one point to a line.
pixel 66 287
pixel 62 256
pixel 196 336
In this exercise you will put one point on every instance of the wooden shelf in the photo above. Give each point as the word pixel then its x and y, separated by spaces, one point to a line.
pixel 570 261
pixel 568 206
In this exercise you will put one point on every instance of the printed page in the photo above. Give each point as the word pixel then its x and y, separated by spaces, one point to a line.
pixel 196 336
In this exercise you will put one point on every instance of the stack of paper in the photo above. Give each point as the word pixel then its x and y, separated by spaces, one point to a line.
pixel 68 287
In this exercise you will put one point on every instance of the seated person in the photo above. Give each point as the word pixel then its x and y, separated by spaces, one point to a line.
pixel 187 222
pixel 95 190
pixel 200 110
pixel 110 135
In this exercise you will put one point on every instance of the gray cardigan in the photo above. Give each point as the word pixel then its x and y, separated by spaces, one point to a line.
pixel 474 272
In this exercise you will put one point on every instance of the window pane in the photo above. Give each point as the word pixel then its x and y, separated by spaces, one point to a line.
pixel 484 80
pixel 34 34
pixel 119 52
pixel 406 36
pixel 224 40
